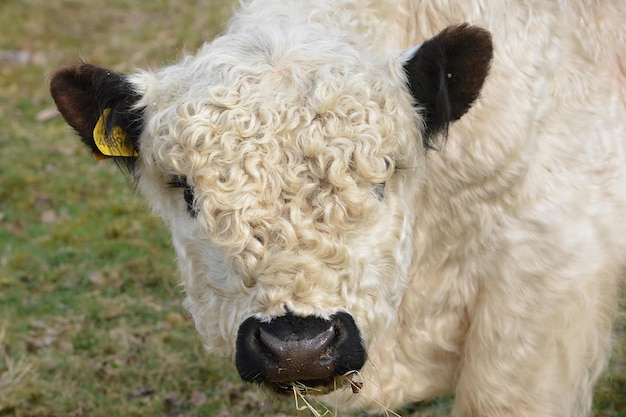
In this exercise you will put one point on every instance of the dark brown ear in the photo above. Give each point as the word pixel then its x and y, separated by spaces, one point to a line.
pixel 83 93
pixel 446 74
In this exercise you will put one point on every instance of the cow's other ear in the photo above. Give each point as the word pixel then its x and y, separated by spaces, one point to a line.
pixel 101 106
pixel 445 75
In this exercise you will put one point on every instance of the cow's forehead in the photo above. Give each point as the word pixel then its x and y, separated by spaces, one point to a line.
pixel 285 64
pixel 215 113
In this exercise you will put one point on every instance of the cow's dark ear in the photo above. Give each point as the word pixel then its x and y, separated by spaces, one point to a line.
pixel 445 75
pixel 101 106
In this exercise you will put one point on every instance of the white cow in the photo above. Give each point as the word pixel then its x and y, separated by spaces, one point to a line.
pixel 370 210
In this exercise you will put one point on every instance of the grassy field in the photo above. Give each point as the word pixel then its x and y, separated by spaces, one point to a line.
pixel 90 316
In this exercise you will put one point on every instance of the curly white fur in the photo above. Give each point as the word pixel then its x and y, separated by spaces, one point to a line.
pixel 489 268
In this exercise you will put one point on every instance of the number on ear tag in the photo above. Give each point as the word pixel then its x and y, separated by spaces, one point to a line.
pixel 115 142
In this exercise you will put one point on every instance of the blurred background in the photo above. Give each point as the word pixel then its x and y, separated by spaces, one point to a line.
pixel 91 322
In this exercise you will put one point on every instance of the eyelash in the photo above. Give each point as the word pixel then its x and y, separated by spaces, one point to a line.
pixel 188 194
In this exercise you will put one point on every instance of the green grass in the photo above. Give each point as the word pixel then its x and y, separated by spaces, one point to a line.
pixel 90 315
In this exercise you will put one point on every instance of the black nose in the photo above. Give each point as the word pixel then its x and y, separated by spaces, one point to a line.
pixel 308 350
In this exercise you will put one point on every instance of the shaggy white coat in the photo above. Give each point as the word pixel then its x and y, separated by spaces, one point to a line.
pixel 490 268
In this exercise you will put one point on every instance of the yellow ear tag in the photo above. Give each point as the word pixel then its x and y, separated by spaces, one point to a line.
pixel 115 143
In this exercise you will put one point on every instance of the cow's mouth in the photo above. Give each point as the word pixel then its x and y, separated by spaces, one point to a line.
pixel 305 355
pixel 312 387
pixel 315 386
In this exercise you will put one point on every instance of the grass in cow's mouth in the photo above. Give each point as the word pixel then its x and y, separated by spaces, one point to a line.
pixel 317 409
pixel 91 323
pixel 305 394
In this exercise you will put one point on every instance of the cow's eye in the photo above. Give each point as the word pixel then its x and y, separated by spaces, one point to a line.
pixel 379 191
pixel 188 193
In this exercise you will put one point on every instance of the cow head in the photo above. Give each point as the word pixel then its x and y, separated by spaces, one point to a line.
pixel 287 169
